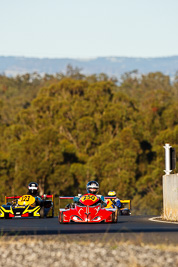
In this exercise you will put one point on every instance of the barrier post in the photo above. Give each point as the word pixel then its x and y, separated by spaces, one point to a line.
pixel 167 170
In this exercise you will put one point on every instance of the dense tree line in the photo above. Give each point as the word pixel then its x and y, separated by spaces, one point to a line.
pixel 67 129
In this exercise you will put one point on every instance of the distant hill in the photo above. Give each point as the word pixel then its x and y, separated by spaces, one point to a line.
pixel 113 66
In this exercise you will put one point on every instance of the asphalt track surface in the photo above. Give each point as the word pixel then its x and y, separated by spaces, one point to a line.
pixel 135 228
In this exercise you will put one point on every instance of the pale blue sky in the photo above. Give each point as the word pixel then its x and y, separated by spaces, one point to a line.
pixel 88 28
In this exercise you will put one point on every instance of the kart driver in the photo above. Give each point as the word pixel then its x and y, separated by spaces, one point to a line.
pixel 92 188
pixel 115 202
pixel 33 191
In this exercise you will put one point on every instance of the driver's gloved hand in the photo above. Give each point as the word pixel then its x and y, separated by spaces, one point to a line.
pixel 67 206
pixel 103 204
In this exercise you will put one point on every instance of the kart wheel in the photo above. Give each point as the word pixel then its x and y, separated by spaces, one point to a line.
pixel 114 217
pixel 125 212
pixel 42 212
pixel 61 218
pixel 52 213
pixel 61 221
pixel 7 217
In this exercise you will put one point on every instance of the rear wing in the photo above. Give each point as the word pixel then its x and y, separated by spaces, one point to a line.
pixel 110 197
pixel 17 197
pixel 48 196
pixel 14 197
pixel 126 202
pixel 122 201
pixel 66 197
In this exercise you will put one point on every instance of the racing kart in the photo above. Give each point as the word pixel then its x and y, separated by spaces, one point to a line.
pixel 125 206
pixel 27 206
pixel 89 209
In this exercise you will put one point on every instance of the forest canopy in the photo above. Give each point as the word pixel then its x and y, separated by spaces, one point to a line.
pixel 64 130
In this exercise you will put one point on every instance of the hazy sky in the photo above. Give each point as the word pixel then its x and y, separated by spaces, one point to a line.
pixel 88 28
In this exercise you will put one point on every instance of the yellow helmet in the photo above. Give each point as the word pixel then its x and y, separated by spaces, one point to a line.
pixel 112 193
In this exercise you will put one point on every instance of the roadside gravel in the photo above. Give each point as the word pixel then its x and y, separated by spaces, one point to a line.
pixel 54 251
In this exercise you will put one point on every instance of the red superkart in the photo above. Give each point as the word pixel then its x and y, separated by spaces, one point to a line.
pixel 88 210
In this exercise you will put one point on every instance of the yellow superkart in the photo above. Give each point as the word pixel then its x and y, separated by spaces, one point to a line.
pixel 27 206
pixel 125 205
pixel 125 208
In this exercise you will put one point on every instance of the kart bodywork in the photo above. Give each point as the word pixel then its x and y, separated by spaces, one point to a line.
pixel 88 210
pixel 27 206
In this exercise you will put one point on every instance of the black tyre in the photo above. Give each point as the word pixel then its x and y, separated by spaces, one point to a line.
pixel 42 212
pixel 61 218
pixel 52 213
pixel 114 217
pixel 125 212
pixel 7 217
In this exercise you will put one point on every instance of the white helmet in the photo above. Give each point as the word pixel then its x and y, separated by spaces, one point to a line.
pixel 92 187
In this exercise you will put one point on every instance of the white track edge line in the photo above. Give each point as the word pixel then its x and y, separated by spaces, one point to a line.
pixel 154 219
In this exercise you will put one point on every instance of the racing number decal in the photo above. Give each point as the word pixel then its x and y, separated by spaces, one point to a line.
pixel 25 198
pixel 89 197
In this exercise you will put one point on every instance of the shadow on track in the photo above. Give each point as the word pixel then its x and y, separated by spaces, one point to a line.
pixel 131 224
pixel 85 231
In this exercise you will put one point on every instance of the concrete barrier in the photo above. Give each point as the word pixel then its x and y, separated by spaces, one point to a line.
pixel 170 197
